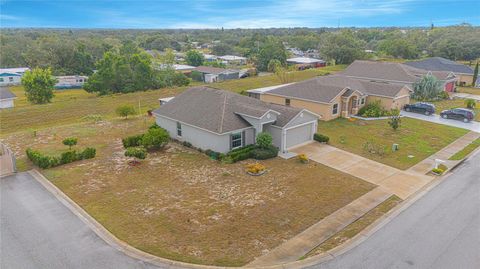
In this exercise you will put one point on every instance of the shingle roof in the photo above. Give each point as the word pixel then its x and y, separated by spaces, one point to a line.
pixel 5 93
pixel 387 71
pixel 213 70
pixel 216 110
pixel 441 64
pixel 325 88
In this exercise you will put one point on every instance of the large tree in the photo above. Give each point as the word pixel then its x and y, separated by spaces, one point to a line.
pixel 39 84
pixel 343 47
pixel 194 58
pixel 272 49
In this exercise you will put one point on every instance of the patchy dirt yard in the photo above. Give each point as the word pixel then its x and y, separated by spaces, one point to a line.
pixel 179 204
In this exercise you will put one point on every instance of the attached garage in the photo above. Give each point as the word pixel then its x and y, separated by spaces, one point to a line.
pixel 299 135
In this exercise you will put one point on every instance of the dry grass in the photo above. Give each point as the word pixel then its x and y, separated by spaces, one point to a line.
pixel 415 137
pixel 179 204
pixel 354 228
pixel 469 90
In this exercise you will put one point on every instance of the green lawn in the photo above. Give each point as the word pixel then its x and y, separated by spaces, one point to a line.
pixel 71 106
pixel 469 90
pixel 416 138
pixel 467 150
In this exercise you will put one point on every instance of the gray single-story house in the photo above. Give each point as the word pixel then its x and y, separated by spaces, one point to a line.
pixel 214 74
pixel 221 121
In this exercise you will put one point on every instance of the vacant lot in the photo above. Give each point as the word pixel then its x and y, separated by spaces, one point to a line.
pixel 71 106
pixel 417 139
pixel 179 204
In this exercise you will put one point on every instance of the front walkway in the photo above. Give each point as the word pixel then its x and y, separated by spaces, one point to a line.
pixel 472 126
pixel 396 181
pixel 426 165
pixel 316 234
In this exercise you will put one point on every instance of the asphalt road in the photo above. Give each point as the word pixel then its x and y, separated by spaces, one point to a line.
pixel 440 231
pixel 37 231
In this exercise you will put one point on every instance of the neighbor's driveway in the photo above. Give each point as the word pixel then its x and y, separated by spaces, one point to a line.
pixel 472 126
pixel 402 183
pixel 38 231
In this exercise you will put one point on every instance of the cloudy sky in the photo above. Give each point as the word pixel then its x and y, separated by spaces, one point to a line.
pixel 236 14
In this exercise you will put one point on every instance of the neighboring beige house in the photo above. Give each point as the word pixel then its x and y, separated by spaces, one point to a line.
pixel 70 82
pixel 334 96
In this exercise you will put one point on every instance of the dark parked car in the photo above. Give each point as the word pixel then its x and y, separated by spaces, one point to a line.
pixel 420 107
pixel 462 114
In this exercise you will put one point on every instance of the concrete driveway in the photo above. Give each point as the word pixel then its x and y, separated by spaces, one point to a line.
pixel 402 183
pixel 38 231
pixel 472 126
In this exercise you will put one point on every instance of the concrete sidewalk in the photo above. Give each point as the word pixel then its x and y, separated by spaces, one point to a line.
pixel 428 164
pixel 304 242
pixel 399 182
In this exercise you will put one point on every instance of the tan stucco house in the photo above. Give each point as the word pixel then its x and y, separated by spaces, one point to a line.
pixel 463 72
pixel 334 96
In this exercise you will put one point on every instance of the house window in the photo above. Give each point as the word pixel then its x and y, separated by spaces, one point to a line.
pixel 287 102
pixel 236 140
pixel 10 79
pixel 335 109
pixel 363 101
pixel 179 129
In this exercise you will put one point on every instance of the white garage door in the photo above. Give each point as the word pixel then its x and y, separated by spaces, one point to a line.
pixel 299 135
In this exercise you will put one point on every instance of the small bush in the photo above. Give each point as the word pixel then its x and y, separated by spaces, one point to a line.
pixel 264 140
pixel 155 138
pixel 132 141
pixel 265 153
pixel 321 138
pixel 213 154
pixel 256 168
pixel 240 154
pixel 154 126
pixel 372 110
pixel 443 95
pixel 470 103
pixel 302 158
pixel 187 144
pixel 70 141
pixel 68 157
pixel 136 152
pixel 437 171
pixel 88 153
pixel 125 111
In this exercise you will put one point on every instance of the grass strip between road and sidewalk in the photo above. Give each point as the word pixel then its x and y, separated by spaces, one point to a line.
pixel 466 150
pixel 356 227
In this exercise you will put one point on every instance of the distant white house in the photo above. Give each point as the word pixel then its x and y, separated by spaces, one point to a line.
pixel 12 76
pixel 210 57
pixel 70 82
pixel 232 59
pixel 6 98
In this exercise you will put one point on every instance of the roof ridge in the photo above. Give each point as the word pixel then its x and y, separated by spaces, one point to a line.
pixel 223 113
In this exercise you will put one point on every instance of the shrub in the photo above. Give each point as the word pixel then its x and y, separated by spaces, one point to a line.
pixel 321 138
pixel 264 140
pixel 240 154
pixel 70 141
pixel 395 119
pixel 213 154
pixel 372 110
pixel 437 171
pixel 136 152
pixel 40 160
pixel 443 95
pixel 470 103
pixel 303 158
pixel 88 153
pixel 68 157
pixel 155 138
pixel 154 126
pixel 187 144
pixel 125 111
pixel 255 168
pixel 264 153
pixel 132 141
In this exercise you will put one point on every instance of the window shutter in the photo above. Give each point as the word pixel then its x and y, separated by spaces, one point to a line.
pixel 243 138
pixel 230 141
